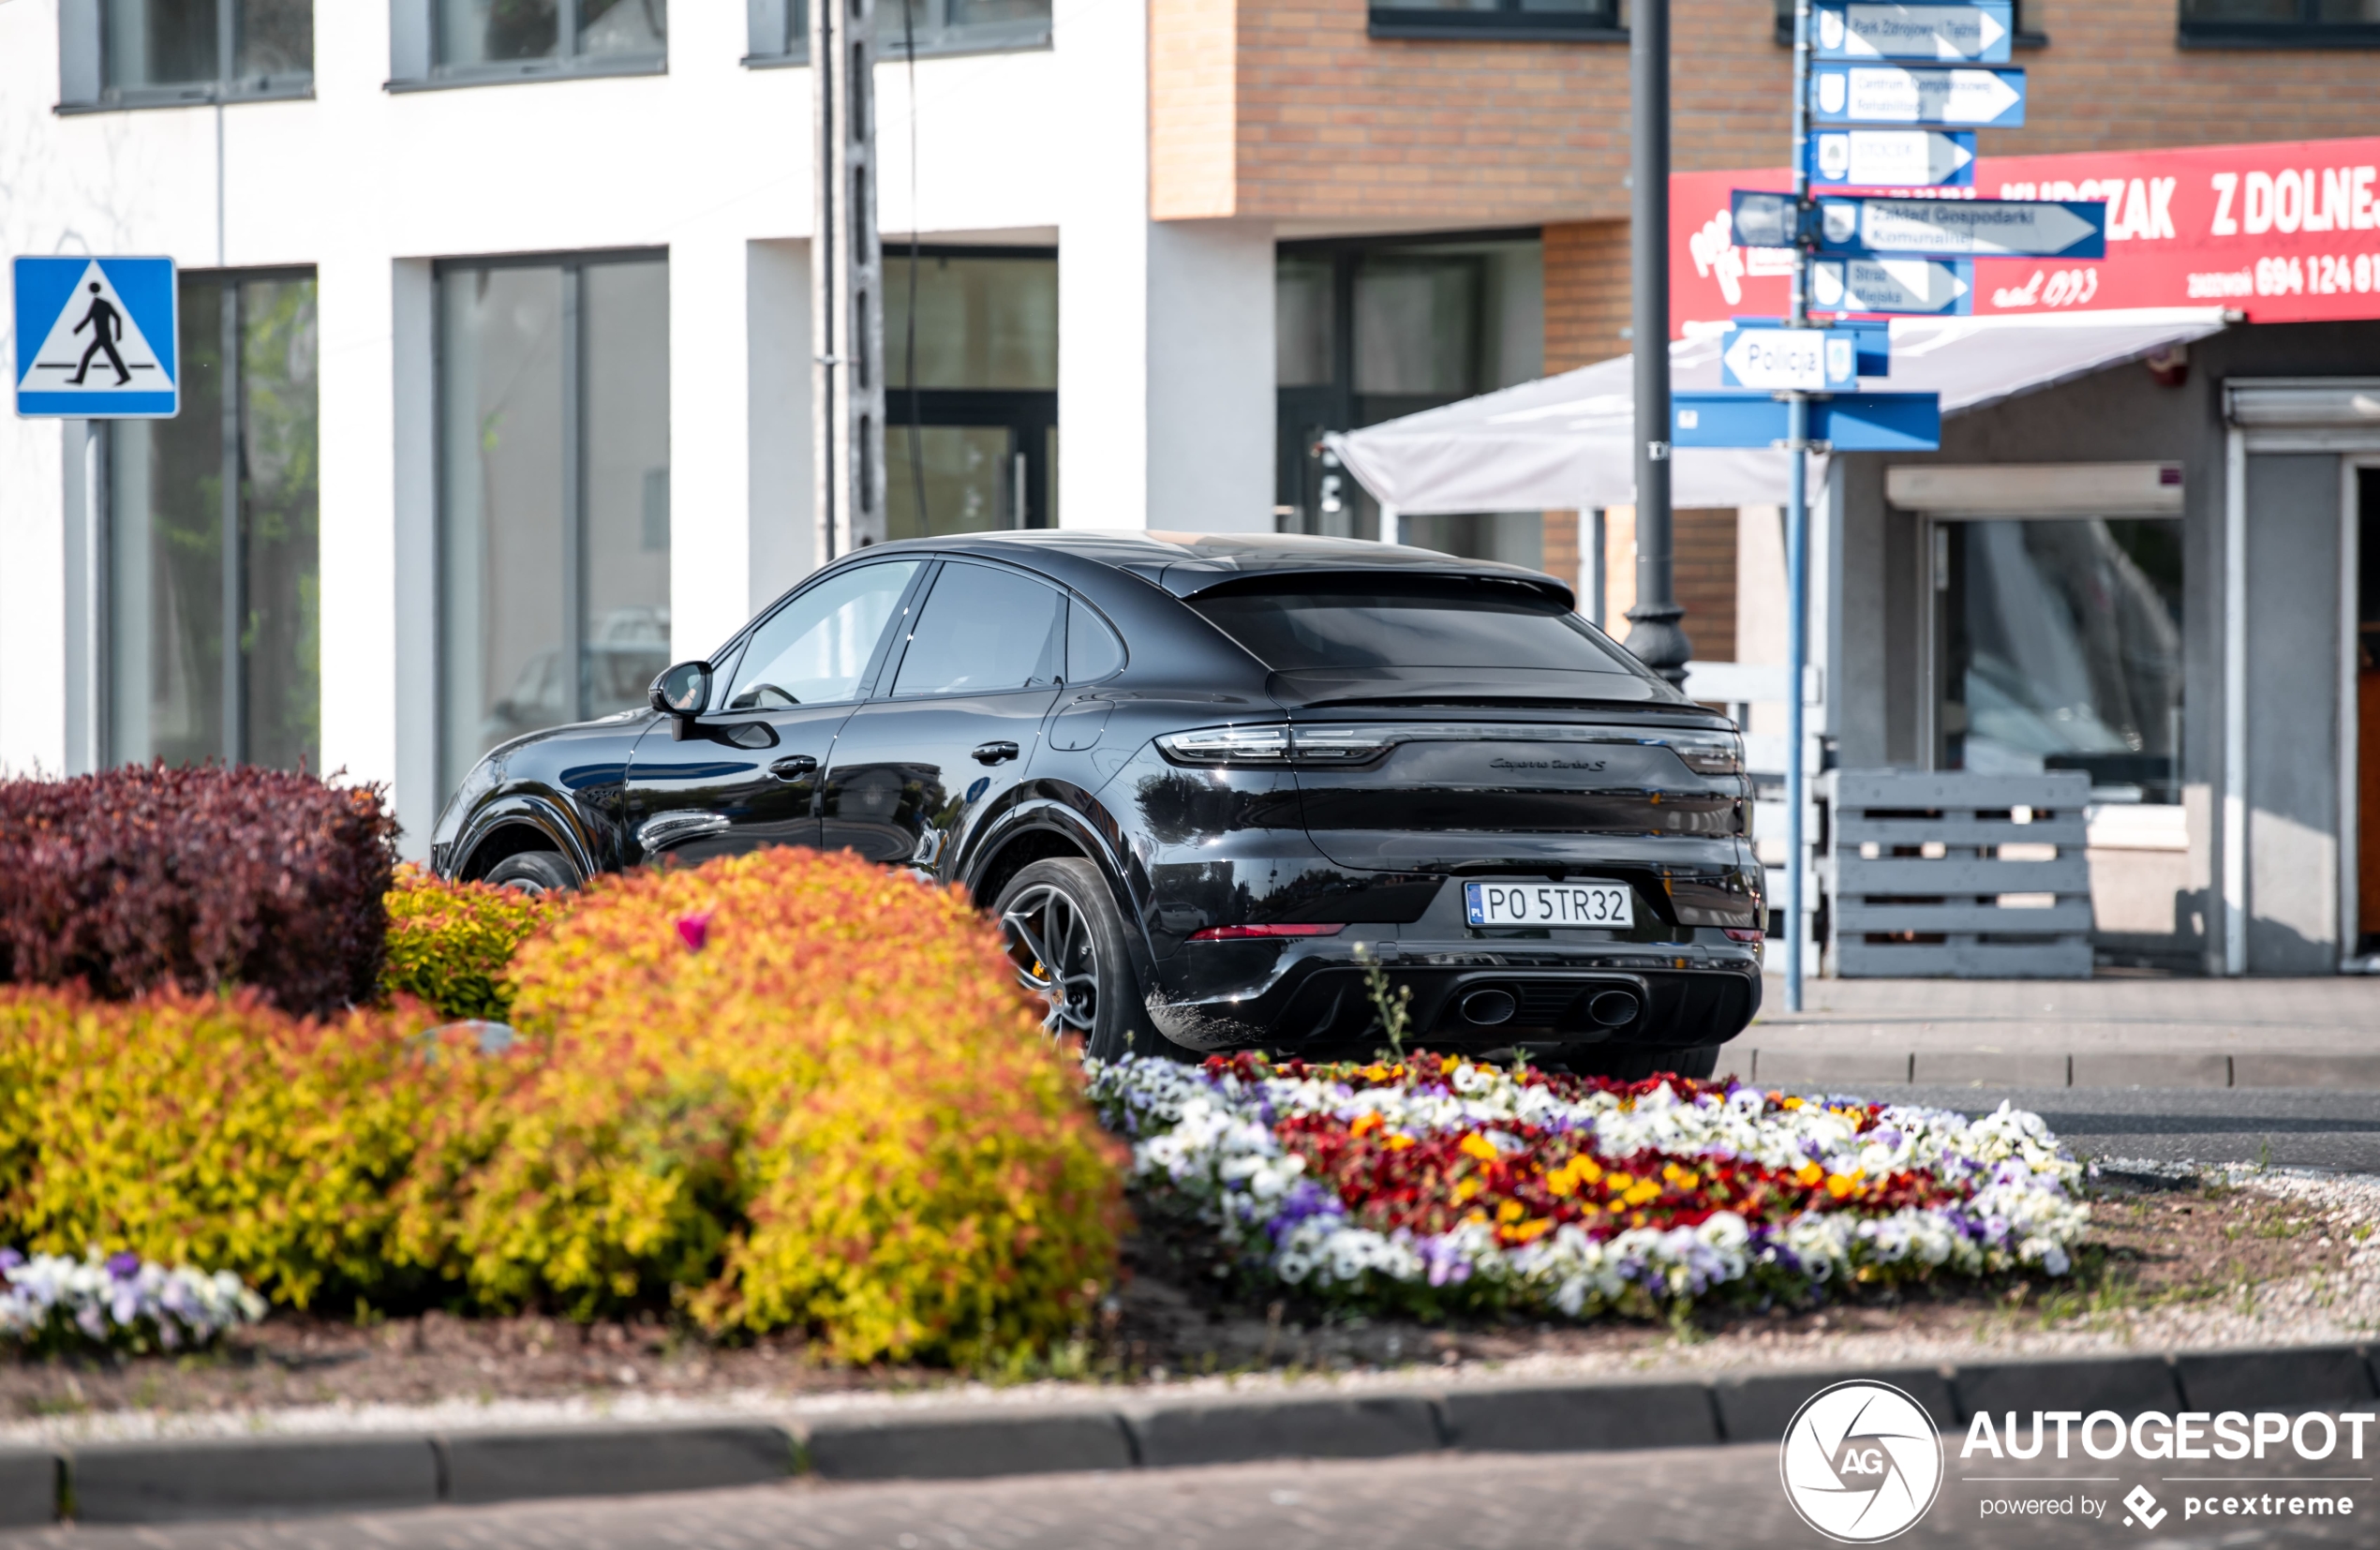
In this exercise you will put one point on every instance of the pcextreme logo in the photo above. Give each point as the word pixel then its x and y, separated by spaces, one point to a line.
pixel 1861 1462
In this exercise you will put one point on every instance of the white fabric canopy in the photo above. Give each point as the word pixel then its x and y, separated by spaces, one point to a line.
pixel 1568 442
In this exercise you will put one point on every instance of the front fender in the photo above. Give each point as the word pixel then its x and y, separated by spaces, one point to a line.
pixel 550 814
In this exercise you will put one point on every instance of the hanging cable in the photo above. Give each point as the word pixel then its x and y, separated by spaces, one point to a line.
pixel 909 329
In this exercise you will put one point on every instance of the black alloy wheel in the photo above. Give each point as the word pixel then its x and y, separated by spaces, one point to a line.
pixel 1067 942
pixel 533 871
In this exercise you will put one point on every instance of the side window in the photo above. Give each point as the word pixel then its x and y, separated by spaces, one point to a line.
pixel 812 650
pixel 1093 650
pixel 983 631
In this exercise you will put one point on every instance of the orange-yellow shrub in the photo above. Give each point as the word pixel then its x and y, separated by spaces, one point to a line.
pixel 841 1075
pixel 449 943
pixel 217 1131
pixel 834 1114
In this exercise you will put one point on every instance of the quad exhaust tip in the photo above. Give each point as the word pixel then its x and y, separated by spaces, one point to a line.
pixel 1489 1007
pixel 1614 1009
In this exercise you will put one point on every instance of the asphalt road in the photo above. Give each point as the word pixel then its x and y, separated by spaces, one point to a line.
pixel 2286 1126
pixel 1705 1497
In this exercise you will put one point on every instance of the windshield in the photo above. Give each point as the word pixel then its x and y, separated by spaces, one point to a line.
pixel 1319 621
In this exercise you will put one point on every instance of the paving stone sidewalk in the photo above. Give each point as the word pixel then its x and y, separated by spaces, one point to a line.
pixel 2114 1031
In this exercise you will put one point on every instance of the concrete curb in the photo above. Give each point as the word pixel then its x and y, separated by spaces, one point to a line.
pixel 1852 1070
pixel 180 1481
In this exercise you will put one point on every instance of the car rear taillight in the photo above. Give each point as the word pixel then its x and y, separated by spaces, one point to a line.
pixel 1735 935
pixel 1229 745
pixel 1707 752
pixel 1277 744
pixel 1241 933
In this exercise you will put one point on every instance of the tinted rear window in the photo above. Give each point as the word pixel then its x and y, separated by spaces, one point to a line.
pixel 1365 621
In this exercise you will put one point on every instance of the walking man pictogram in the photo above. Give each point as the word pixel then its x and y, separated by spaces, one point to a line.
pixel 107 327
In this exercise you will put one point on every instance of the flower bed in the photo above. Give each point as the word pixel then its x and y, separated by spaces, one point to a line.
pixel 50 1302
pixel 1437 1184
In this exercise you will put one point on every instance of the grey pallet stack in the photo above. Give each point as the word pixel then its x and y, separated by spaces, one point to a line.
pixel 1906 915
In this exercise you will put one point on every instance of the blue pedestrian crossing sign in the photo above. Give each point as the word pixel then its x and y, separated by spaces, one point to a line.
pixel 95 338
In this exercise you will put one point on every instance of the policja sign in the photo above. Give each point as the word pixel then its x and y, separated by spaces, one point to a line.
pixel 95 338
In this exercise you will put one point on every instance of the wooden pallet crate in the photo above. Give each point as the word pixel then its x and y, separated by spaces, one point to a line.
pixel 1924 885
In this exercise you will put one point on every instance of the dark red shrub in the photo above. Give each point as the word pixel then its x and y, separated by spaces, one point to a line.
pixel 139 878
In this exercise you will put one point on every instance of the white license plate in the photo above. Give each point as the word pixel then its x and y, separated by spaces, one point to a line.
pixel 1611 904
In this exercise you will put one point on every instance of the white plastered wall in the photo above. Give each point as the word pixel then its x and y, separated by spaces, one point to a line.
pixel 708 161
pixel 1164 328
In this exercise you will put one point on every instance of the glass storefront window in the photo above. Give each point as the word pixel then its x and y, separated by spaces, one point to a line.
pixel 2062 650
pixel 554 497
pixel 982 321
pixel 985 403
pixel 172 579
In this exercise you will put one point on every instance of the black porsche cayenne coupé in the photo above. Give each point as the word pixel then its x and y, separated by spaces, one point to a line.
pixel 1204 782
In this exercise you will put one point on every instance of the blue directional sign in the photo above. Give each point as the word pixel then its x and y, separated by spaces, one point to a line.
pixel 1757 219
pixel 1975 32
pixel 1871 342
pixel 1962 228
pixel 95 338
pixel 1958 97
pixel 1802 360
pixel 1847 422
pixel 1915 286
pixel 1892 158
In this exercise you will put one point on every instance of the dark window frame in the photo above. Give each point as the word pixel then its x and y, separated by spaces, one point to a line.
pixel 82 40
pixel 778 35
pixel 2306 32
pixel 1507 23
pixel 434 74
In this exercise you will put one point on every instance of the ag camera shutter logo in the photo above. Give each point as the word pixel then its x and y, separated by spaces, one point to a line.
pixel 1861 1462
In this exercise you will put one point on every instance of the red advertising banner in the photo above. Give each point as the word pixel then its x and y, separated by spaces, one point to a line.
pixel 2284 233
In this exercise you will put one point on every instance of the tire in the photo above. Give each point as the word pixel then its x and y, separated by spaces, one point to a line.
pixel 1069 944
pixel 533 871
pixel 1636 1062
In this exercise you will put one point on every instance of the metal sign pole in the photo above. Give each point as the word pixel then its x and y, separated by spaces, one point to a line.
pixel 1797 551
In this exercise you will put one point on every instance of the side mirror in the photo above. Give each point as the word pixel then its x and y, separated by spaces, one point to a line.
pixel 682 691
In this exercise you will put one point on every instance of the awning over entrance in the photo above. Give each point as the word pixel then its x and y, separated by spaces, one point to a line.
pixel 1566 441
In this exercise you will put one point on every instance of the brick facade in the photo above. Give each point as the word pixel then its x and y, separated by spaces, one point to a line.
pixel 1332 126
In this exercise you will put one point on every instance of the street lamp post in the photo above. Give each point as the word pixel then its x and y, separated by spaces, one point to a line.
pixel 1654 634
pixel 846 283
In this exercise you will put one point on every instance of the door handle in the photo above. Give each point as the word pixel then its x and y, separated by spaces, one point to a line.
pixel 792 767
pixel 992 753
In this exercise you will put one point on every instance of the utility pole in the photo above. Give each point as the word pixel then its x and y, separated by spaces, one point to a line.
pixel 1653 635
pixel 846 282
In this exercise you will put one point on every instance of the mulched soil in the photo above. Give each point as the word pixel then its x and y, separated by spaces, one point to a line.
pixel 2152 1242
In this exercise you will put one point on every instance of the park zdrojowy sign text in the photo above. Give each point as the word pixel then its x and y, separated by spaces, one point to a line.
pixel 2285 233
